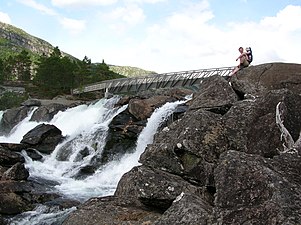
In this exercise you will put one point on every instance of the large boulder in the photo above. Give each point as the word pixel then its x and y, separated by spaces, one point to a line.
pixel 9 158
pixel 43 137
pixel 251 125
pixel 153 187
pixel 111 210
pixel 122 136
pixel 12 117
pixel 189 147
pixel 253 190
pixel 142 109
pixel 46 112
pixel 215 95
pixel 32 102
pixel 187 209
pixel 16 172
pixel 12 203
pixel 270 76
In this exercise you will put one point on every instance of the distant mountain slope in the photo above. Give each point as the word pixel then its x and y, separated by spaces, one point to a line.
pixel 130 71
pixel 13 39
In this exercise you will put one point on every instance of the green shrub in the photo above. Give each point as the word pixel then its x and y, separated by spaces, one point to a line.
pixel 11 99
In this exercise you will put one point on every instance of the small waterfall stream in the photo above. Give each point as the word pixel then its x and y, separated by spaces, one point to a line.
pixel 85 127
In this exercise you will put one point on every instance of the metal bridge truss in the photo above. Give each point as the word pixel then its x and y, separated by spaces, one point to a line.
pixel 155 81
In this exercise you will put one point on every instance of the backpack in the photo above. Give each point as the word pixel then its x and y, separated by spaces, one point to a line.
pixel 249 54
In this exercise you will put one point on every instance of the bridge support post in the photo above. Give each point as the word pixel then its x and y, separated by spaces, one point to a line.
pixel 108 94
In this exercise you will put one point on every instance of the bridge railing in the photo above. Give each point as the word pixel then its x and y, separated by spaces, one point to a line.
pixel 182 78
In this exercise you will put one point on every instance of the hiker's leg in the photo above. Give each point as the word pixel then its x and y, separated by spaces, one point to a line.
pixel 235 70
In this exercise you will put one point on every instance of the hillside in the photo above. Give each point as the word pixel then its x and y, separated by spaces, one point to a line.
pixel 130 71
pixel 13 39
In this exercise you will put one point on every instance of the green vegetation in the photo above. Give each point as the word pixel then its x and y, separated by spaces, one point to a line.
pixel 52 75
pixel 45 71
pixel 10 99
pixel 130 71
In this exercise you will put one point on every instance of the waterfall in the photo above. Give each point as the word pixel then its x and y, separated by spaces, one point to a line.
pixel 16 134
pixel 85 127
pixel 1 114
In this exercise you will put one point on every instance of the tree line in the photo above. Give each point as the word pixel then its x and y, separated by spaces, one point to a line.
pixel 54 74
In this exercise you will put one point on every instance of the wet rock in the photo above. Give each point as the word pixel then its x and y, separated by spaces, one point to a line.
pixel 122 136
pixel 12 203
pixel 139 109
pixel 32 102
pixel 125 127
pixel 46 112
pixel 9 158
pixel 16 172
pixel 20 196
pixel 11 197
pixel 13 147
pixel 12 117
pixel 43 137
pixel 33 154
pixel 142 109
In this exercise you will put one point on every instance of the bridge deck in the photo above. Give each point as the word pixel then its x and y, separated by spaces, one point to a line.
pixel 154 81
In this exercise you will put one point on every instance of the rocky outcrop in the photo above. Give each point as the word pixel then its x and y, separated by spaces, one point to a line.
pixel 46 112
pixel 254 80
pixel 43 137
pixel 126 126
pixel 42 111
pixel 17 193
pixel 232 158
pixel 12 117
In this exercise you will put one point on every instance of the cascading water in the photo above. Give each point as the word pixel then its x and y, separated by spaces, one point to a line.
pixel 85 128
pixel 1 114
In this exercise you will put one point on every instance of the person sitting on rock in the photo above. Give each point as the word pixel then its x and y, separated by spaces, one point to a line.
pixel 243 61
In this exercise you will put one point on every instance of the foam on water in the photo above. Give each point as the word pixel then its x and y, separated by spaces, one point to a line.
pixel 86 126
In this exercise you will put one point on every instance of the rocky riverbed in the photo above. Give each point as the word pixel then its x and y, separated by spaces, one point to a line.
pixel 231 155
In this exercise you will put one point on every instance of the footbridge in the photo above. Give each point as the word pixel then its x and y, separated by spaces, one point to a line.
pixel 190 79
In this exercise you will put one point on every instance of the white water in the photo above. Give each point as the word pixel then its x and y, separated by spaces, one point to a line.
pixel 1 114
pixel 80 125
pixel 19 130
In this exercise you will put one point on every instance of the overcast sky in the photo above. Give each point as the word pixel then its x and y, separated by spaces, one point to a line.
pixel 163 35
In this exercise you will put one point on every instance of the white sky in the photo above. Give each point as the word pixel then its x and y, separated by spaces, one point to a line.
pixel 163 35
